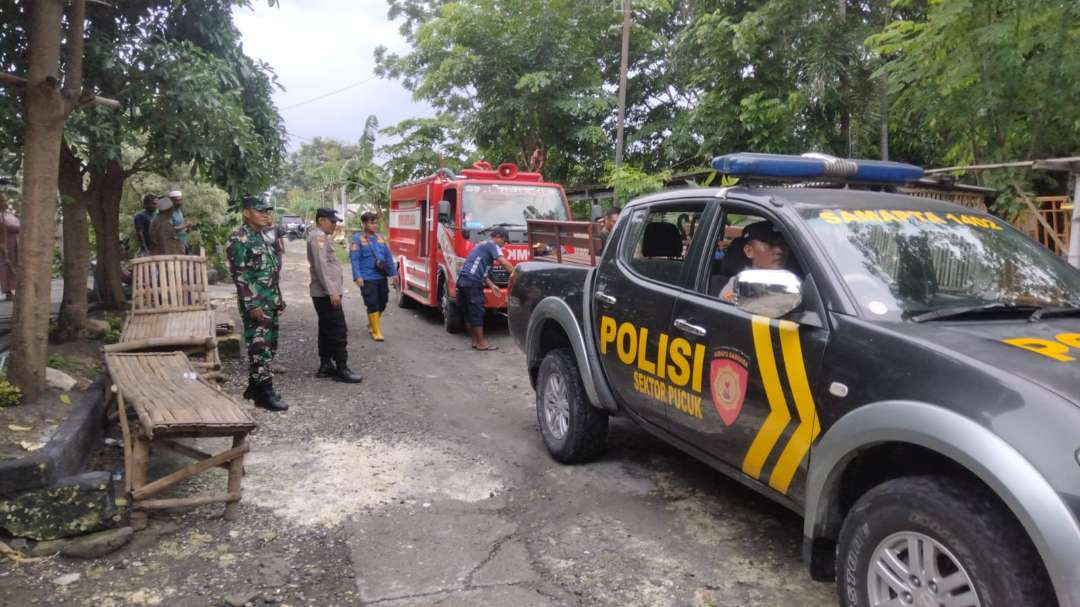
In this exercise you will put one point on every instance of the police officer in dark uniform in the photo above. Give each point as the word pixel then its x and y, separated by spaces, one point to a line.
pixel 326 290
pixel 255 263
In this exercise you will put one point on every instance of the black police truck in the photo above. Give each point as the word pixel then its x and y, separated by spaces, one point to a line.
pixel 903 372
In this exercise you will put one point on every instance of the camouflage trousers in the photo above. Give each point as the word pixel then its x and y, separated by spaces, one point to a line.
pixel 261 337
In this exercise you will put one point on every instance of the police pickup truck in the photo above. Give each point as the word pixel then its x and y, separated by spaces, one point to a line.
pixel 902 372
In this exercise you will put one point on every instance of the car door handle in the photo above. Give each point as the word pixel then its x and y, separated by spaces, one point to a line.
pixel 604 298
pixel 689 328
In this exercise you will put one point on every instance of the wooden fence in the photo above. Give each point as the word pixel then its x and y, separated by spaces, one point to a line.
pixel 1057 211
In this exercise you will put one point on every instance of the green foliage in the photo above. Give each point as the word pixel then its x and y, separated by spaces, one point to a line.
pixel 56 361
pixel 630 182
pixel 10 394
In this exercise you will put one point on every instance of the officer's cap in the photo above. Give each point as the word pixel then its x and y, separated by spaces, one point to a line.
pixel 330 214
pixel 254 202
pixel 764 231
pixel 500 232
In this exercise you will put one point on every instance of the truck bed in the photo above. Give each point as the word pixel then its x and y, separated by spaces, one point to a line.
pixel 565 242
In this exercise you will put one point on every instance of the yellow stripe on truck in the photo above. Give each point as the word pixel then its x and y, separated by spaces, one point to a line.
pixel 779 416
pixel 809 426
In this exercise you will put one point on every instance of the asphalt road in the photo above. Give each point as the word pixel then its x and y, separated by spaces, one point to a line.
pixel 428 484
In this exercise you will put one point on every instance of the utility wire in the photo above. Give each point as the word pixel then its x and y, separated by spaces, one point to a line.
pixel 331 93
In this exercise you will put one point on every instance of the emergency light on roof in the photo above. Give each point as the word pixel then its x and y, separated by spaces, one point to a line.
pixel 815 166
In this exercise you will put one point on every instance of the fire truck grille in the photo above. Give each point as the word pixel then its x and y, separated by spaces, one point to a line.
pixel 500 276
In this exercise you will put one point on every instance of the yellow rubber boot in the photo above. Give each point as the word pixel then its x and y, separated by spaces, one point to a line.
pixel 373 326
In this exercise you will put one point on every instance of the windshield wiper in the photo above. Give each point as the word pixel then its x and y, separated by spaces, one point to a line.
pixel 955 311
pixel 1051 311
pixel 500 225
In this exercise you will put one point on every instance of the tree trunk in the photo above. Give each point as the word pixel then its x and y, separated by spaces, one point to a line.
pixel 73 307
pixel 108 186
pixel 45 117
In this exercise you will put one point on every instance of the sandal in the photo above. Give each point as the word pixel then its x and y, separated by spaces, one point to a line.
pixel 485 348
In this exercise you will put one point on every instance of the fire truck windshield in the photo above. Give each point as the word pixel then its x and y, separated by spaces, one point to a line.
pixel 489 204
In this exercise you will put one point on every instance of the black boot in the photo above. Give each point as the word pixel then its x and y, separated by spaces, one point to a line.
pixel 327 368
pixel 268 399
pixel 252 390
pixel 345 374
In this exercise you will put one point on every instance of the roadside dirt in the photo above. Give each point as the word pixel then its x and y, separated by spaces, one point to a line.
pixel 27 427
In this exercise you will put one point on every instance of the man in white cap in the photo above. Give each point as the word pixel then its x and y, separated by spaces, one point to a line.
pixel 182 227
pixel 164 239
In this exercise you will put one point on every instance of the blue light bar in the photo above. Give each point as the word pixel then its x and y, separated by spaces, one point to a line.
pixel 815 166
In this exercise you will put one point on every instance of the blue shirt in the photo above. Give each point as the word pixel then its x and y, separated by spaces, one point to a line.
pixel 478 263
pixel 364 250
pixel 142 226
pixel 177 221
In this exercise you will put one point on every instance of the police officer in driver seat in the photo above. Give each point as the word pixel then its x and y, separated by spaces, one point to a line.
pixel 764 248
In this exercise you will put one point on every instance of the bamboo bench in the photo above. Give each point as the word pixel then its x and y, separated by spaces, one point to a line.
pixel 169 400
pixel 170 308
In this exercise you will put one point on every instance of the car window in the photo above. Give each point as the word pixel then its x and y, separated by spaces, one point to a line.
pixel 736 249
pixel 658 240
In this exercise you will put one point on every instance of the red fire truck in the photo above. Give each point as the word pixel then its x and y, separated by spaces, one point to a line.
pixel 437 220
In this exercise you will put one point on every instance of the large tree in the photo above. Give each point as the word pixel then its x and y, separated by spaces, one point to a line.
pixel 49 98
pixel 525 78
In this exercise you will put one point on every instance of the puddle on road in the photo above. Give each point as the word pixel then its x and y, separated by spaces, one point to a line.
pixel 327 482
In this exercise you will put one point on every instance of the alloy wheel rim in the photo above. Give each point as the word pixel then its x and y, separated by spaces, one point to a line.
pixel 556 406
pixel 911 568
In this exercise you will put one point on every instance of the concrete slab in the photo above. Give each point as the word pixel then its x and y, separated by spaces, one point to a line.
pixel 433 553
pixel 509 565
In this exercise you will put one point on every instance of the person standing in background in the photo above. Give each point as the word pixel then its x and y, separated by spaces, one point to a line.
pixel 178 222
pixel 9 248
pixel 164 239
pixel 372 264
pixel 326 290
pixel 142 222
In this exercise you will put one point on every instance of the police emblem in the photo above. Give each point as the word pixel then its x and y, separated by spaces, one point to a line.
pixel 727 378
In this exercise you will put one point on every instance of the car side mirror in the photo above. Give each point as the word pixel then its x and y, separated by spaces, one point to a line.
pixel 444 211
pixel 769 293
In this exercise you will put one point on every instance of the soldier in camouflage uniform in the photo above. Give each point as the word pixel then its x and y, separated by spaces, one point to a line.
pixel 255 262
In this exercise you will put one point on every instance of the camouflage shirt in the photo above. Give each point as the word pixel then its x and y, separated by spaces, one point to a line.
pixel 256 268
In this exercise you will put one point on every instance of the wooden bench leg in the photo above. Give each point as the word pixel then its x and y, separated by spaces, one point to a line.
pixel 236 474
pixel 140 458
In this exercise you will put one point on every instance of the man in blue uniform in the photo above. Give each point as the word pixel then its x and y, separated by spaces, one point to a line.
pixel 372 264
pixel 471 281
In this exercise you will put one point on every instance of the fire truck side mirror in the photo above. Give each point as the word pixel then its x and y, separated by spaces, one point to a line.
pixel 444 211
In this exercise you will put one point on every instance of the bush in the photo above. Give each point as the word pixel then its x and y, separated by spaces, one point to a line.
pixel 112 336
pixel 10 395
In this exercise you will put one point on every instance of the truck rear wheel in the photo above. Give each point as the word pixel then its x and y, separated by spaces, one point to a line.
pixel 451 314
pixel 934 540
pixel 573 430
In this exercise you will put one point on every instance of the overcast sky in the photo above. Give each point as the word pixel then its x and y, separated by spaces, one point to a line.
pixel 320 46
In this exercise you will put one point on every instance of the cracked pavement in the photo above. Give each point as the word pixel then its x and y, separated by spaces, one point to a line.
pixel 428 484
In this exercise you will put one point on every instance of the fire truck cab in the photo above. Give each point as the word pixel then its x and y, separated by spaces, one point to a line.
pixel 436 221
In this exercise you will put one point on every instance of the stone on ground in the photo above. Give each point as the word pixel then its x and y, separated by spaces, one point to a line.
pixel 97 544
pixel 56 378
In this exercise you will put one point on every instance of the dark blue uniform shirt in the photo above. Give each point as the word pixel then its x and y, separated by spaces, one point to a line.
pixel 478 263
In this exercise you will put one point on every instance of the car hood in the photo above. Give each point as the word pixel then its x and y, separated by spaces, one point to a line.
pixel 1046 352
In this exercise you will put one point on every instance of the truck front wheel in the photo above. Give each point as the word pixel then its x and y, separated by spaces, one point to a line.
pixel 934 540
pixel 573 430
pixel 452 320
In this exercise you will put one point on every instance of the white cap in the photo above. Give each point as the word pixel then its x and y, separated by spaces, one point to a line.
pixel 176 194
pixel 164 204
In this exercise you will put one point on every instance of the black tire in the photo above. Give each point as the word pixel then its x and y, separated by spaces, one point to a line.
pixel 452 319
pixel 585 435
pixel 980 540
pixel 403 300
